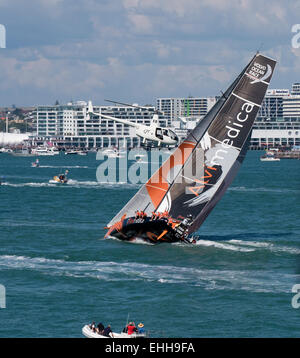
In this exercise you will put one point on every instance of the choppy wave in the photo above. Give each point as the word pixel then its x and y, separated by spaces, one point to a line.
pixel 252 280
pixel 224 246
pixel 65 166
pixel 90 183
pixel 137 241
pixel 74 184
pixel 233 245
pixel 20 185
pixel 263 189
pixel 267 245
pixel 251 243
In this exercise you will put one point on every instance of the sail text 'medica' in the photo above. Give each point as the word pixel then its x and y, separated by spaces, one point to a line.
pixel 233 132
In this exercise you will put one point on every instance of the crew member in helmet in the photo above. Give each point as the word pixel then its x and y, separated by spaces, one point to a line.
pixel 185 224
pixel 187 221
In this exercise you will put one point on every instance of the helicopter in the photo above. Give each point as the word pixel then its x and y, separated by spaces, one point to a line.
pixel 152 133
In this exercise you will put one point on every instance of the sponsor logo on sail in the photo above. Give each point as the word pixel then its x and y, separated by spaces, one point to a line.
pixel 214 170
pixel 259 72
pixel 233 131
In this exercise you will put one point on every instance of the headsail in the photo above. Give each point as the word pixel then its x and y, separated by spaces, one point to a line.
pixel 194 178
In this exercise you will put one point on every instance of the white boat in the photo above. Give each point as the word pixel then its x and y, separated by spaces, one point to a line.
pixel 25 152
pixel 269 157
pixel 76 152
pixel 82 152
pixel 45 151
pixel 71 152
pixel 113 153
pixel 6 150
pixel 89 333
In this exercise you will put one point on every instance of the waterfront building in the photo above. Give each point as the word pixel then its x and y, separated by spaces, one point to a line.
pixel 291 108
pixel 70 125
pixel 274 134
pixel 272 105
pixel 173 108
pixel 277 122
pixel 295 89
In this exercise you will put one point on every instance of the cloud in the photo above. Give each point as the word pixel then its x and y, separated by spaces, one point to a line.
pixel 137 50
pixel 141 23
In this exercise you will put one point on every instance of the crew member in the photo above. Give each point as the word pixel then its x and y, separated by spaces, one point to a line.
pixel 131 328
pixel 141 329
pixel 108 332
pixel 187 221
pixel 100 328
pixel 92 326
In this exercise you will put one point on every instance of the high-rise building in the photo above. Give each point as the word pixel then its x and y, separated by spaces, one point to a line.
pixel 291 105
pixel 173 108
pixel 278 120
pixel 272 105
pixel 296 89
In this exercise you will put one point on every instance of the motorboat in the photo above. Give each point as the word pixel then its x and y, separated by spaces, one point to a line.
pixel 60 178
pixel 269 157
pixel 24 152
pixel 6 150
pixel 88 332
pixel 112 153
pixel 76 152
pixel 266 158
pixel 71 152
pixel 45 151
pixel 35 164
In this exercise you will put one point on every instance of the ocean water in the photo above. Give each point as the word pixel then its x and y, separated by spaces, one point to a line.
pixel 60 273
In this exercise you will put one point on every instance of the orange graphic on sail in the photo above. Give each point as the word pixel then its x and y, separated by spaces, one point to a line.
pixel 158 185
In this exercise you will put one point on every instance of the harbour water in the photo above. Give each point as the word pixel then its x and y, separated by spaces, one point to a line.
pixel 60 273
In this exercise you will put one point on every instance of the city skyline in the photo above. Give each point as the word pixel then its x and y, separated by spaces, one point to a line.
pixel 138 50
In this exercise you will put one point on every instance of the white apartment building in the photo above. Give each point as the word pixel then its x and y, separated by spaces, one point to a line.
pixel 196 107
pixel 277 122
pixel 296 89
pixel 71 124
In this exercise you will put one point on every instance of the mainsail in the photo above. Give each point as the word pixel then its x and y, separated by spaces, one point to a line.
pixel 195 177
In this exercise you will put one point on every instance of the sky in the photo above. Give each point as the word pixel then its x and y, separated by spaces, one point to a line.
pixel 135 51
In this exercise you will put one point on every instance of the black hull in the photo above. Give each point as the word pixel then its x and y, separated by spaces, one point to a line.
pixel 154 231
